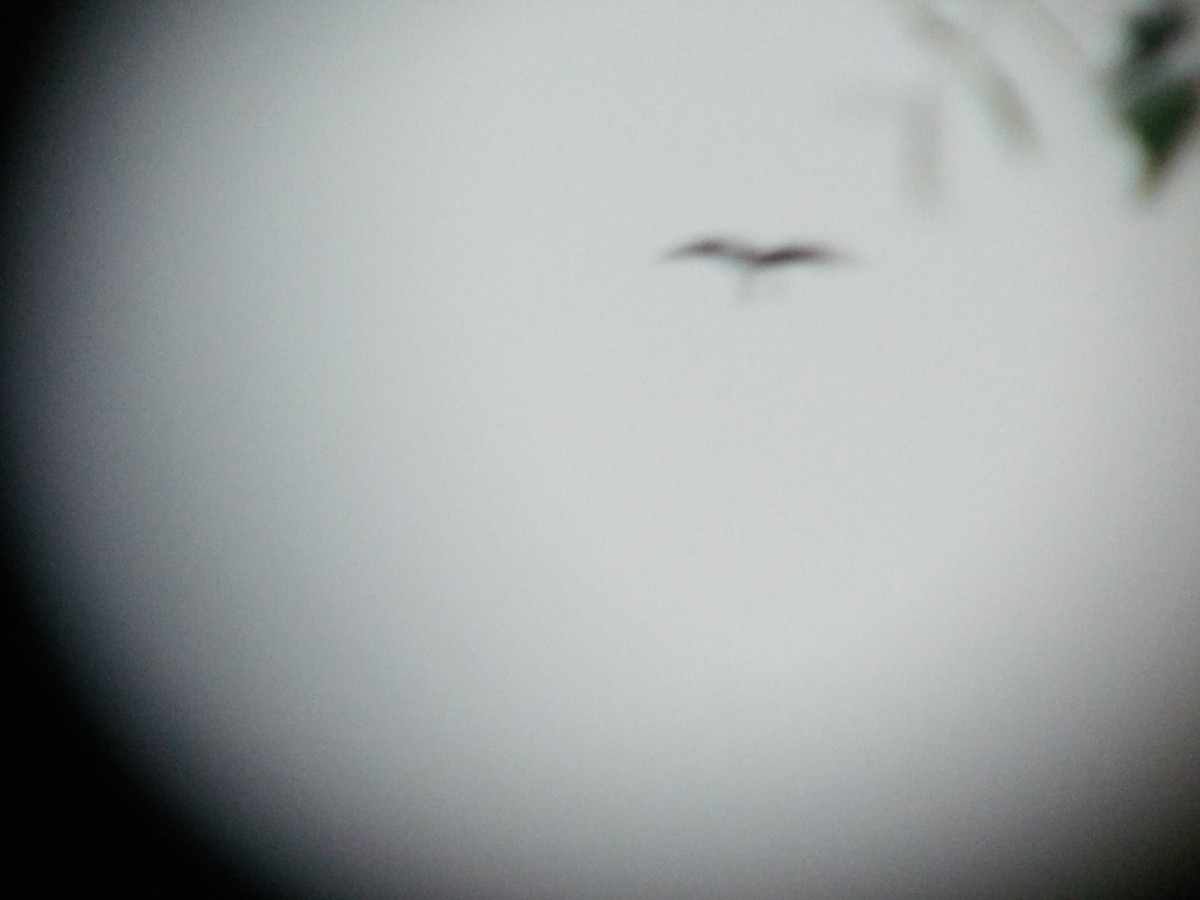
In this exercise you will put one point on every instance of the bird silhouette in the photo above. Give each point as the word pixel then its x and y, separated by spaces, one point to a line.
pixel 752 258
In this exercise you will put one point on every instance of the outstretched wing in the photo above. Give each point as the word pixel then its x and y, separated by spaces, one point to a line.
pixel 799 253
pixel 717 248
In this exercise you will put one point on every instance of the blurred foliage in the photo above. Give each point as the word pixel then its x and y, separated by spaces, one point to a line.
pixel 1153 30
pixel 1152 86
pixel 963 58
pixel 978 67
pixel 1155 84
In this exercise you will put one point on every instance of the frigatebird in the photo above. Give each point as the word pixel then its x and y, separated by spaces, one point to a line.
pixel 752 258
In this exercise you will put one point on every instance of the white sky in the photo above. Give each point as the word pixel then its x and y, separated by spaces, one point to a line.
pixel 418 508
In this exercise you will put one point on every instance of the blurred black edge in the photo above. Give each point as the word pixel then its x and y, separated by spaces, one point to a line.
pixel 82 822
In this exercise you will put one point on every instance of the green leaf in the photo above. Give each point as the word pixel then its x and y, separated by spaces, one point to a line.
pixel 1160 119
pixel 1151 32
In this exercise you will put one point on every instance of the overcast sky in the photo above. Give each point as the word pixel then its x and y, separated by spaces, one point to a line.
pixel 416 510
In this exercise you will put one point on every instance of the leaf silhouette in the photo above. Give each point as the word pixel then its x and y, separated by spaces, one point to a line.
pixel 1155 86
pixel 993 86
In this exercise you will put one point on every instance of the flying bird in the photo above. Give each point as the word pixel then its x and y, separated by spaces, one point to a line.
pixel 751 258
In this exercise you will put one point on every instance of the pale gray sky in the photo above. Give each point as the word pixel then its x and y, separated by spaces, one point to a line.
pixel 417 510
